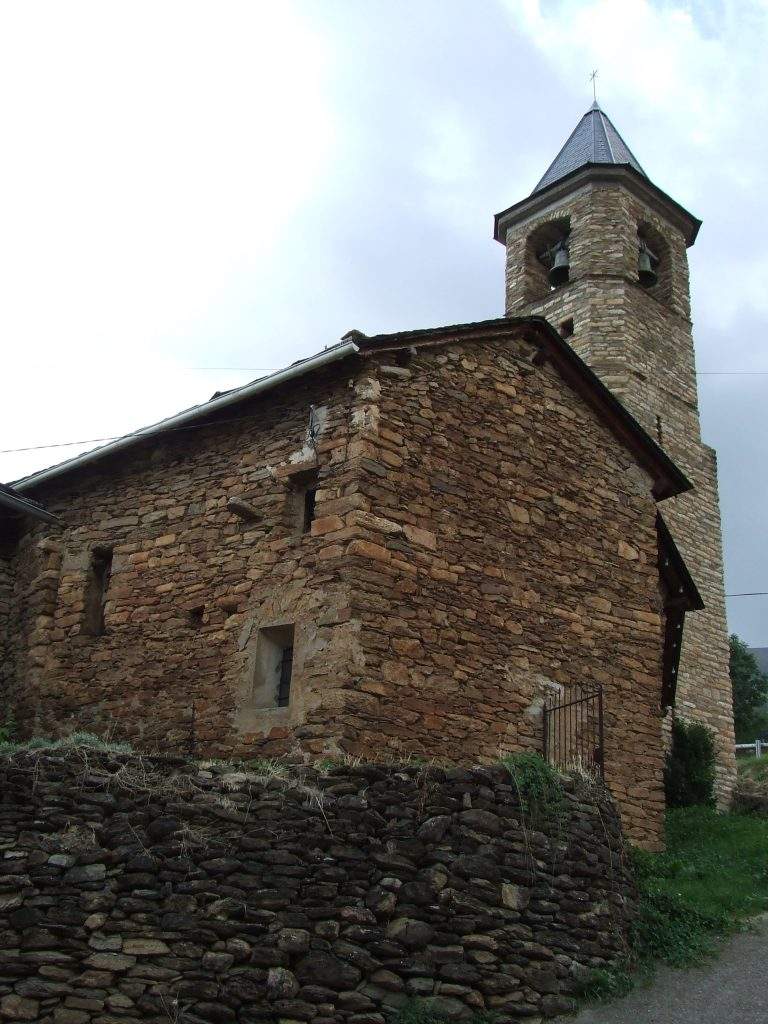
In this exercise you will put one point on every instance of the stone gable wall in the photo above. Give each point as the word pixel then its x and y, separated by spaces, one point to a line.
pixel 640 343
pixel 513 553
pixel 135 889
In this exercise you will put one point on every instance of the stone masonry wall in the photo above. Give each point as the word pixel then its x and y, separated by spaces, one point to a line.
pixel 191 583
pixel 512 554
pixel 481 541
pixel 640 343
pixel 135 889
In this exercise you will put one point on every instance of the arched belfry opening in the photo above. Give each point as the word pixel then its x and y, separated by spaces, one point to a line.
pixel 654 270
pixel 547 258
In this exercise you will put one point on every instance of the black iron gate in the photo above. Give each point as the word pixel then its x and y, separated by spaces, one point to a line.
pixel 573 729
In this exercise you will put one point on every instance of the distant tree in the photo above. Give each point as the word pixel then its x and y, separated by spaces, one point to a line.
pixel 750 692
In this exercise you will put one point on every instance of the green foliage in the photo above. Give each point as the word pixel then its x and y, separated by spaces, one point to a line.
pixel 712 877
pixel 418 1011
pixel 689 774
pixel 750 692
pixel 7 729
pixel 713 874
pixel 538 786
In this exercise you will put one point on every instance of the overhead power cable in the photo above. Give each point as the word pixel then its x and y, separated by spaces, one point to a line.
pixel 138 434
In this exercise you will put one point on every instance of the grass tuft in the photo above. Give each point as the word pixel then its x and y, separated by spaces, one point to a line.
pixel 539 787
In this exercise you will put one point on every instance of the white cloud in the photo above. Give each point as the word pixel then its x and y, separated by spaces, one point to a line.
pixel 153 155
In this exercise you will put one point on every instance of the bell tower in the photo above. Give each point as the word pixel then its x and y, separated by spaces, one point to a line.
pixel 601 252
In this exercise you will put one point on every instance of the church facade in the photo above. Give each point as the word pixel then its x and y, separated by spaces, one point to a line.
pixel 403 545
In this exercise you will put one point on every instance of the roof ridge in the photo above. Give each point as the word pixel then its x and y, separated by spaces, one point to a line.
pixel 607 135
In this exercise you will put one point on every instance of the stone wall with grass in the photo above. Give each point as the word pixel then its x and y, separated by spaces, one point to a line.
pixel 159 889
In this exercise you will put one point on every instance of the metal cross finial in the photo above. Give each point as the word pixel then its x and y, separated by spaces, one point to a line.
pixel 592 77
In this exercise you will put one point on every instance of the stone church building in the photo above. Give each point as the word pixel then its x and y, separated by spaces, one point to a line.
pixel 409 543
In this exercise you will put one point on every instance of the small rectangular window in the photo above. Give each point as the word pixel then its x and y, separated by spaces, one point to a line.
pixel 97 585
pixel 301 505
pixel 273 669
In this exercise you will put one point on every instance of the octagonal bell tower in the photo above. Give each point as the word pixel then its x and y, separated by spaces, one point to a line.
pixel 601 252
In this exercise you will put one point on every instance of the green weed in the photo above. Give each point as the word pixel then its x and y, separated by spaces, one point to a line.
pixel 7 730
pixel 600 986
pixel 539 788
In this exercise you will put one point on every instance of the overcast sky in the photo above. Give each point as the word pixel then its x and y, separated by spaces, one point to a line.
pixel 190 185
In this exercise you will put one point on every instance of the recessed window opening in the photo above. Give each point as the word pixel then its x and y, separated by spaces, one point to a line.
pixel 547 262
pixel 273 670
pixel 97 585
pixel 310 501
pixel 653 262
pixel 196 615
pixel 302 502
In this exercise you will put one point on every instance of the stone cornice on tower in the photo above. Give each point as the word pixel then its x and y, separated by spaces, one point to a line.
pixel 593 173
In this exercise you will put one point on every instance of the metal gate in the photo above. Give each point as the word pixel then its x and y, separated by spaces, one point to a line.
pixel 573 729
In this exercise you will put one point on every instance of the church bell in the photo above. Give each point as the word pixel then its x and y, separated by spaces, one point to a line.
pixel 560 265
pixel 645 272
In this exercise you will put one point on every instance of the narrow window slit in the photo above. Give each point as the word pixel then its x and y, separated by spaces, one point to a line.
pixel 99 574
pixel 285 669
pixel 310 502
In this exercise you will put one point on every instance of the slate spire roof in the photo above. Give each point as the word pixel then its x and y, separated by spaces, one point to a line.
pixel 594 140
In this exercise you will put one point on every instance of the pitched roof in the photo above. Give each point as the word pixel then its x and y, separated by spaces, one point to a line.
pixel 594 140
pixel 668 478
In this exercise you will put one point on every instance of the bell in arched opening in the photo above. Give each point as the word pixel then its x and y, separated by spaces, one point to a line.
pixel 559 271
pixel 646 273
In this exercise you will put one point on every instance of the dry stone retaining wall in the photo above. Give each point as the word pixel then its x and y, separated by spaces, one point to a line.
pixel 136 889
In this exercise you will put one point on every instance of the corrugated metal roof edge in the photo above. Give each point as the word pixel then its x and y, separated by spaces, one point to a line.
pixel 330 355
pixel 16 502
